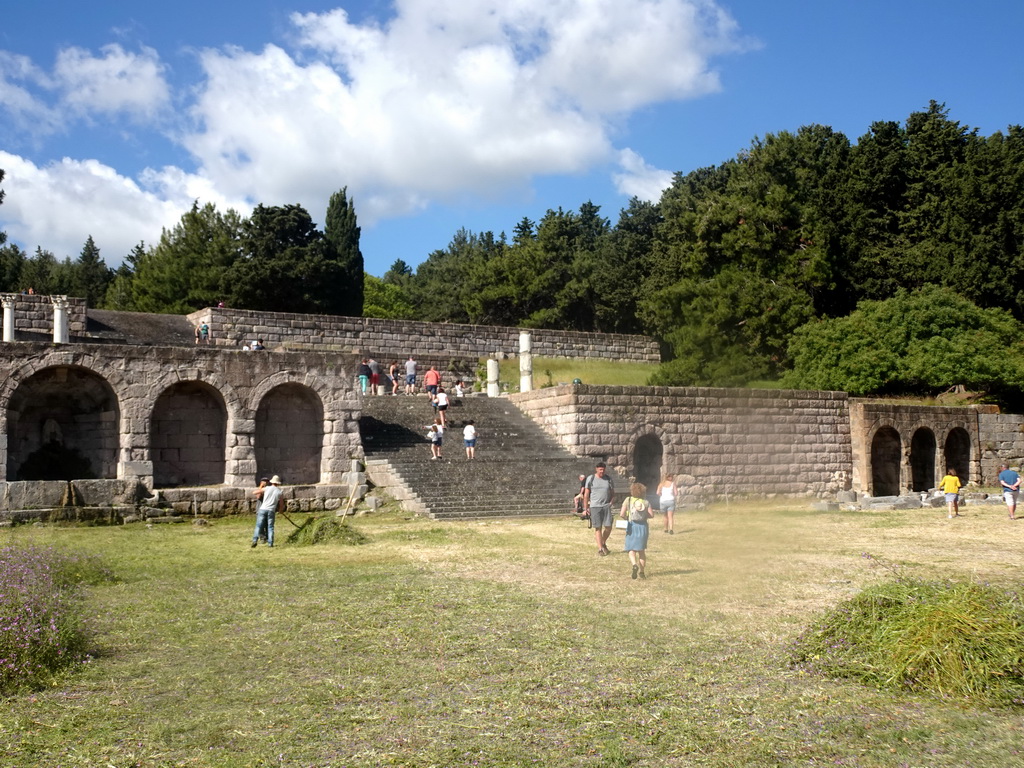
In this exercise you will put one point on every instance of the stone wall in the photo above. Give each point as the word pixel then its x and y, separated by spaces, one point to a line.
pixel 397 339
pixel 721 441
pixel 146 391
pixel 33 315
pixel 922 442
pixel 1002 439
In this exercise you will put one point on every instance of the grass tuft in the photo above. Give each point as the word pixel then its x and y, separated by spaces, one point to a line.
pixel 955 640
pixel 320 530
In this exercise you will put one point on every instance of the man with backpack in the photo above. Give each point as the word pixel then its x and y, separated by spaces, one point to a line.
pixel 598 494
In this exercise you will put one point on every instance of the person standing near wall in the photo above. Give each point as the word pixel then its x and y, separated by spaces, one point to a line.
pixel 667 501
pixel 270 502
pixel 432 380
pixel 261 533
pixel 598 494
pixel 1010 482
pixel 363 372
pixel 950 485
pixel 374 376
pixel 393 373
pixel 410 376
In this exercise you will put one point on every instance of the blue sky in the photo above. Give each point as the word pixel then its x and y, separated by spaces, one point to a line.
pixel 438 115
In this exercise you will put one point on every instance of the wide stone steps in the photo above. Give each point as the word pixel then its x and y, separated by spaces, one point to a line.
pixel 520 470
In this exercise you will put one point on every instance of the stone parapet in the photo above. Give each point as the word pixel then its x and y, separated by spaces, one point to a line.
pixel 396 339
pixel 33 316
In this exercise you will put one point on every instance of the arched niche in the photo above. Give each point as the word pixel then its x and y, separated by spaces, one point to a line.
pixel 958 453
pixel 922 459
pixel 886 453
pixel 647 458
pixel 290 434
pixel 63 423
pixel 188 436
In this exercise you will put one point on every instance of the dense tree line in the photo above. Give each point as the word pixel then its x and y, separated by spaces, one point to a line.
pixel 796 230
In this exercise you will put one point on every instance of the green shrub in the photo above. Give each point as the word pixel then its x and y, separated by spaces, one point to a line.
pixel 956 640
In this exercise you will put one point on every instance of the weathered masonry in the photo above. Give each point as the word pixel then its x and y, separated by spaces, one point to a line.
pixel 761 442
pixel 158 417
pixel 125 404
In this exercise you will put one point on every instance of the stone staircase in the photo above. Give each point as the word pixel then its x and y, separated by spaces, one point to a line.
pixel 519 469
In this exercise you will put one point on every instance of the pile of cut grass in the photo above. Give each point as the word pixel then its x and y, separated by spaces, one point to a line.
pixel 320 530
pixel 955 640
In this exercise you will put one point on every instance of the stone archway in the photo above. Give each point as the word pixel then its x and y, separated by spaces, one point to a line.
pixel 63 423
pixel 290 434
pixel 958 453
pixel 647 457
pixel 922 460
pixel 886 454
pixel 188 435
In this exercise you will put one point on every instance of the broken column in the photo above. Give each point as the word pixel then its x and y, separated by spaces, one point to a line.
pixel 60 320
pixel 525 362
pixel 8 301
pixel 493 390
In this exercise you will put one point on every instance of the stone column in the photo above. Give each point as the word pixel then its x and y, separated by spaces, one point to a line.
pixel 60 319
pixel 8 301
pixel 493 390
pixel 525 362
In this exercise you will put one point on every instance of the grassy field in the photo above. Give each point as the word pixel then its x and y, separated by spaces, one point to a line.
pixel 505 643
pixel 548 371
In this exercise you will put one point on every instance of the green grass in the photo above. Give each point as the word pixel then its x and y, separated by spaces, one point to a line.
pixel 499 643
pixel 549 371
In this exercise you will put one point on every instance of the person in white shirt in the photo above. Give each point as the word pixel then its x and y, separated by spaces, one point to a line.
pixel 441 403
pixel 270 501
pixel 469 438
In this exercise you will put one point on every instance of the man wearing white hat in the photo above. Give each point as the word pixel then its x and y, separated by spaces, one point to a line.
pixel 267 510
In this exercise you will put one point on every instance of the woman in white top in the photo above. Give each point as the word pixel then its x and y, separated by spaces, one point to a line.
pixel 469 438
pixel 667 500
pixel 441 403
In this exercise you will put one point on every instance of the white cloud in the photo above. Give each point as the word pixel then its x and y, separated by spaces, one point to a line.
pixel 445 101
pixel 62 203
pixel 25 111
pixel 119 81
pixel 640 179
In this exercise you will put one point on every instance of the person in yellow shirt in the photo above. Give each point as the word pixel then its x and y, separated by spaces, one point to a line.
pixel 950 485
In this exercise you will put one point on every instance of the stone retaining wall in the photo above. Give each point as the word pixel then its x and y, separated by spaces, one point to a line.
pixel 721 441
pixel 1002 439
pixel 397 339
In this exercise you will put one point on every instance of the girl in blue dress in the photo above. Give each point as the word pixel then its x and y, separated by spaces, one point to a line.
pixel 637 510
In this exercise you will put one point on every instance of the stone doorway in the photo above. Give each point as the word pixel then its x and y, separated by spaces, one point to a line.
pixel 958 453
pixel 886 453
pixel 647 456
pixel 188 436
pixel 63 423
pixel 290 434
pixel 922 459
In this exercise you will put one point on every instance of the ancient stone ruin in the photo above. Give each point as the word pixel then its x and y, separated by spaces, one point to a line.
pixel 119 413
